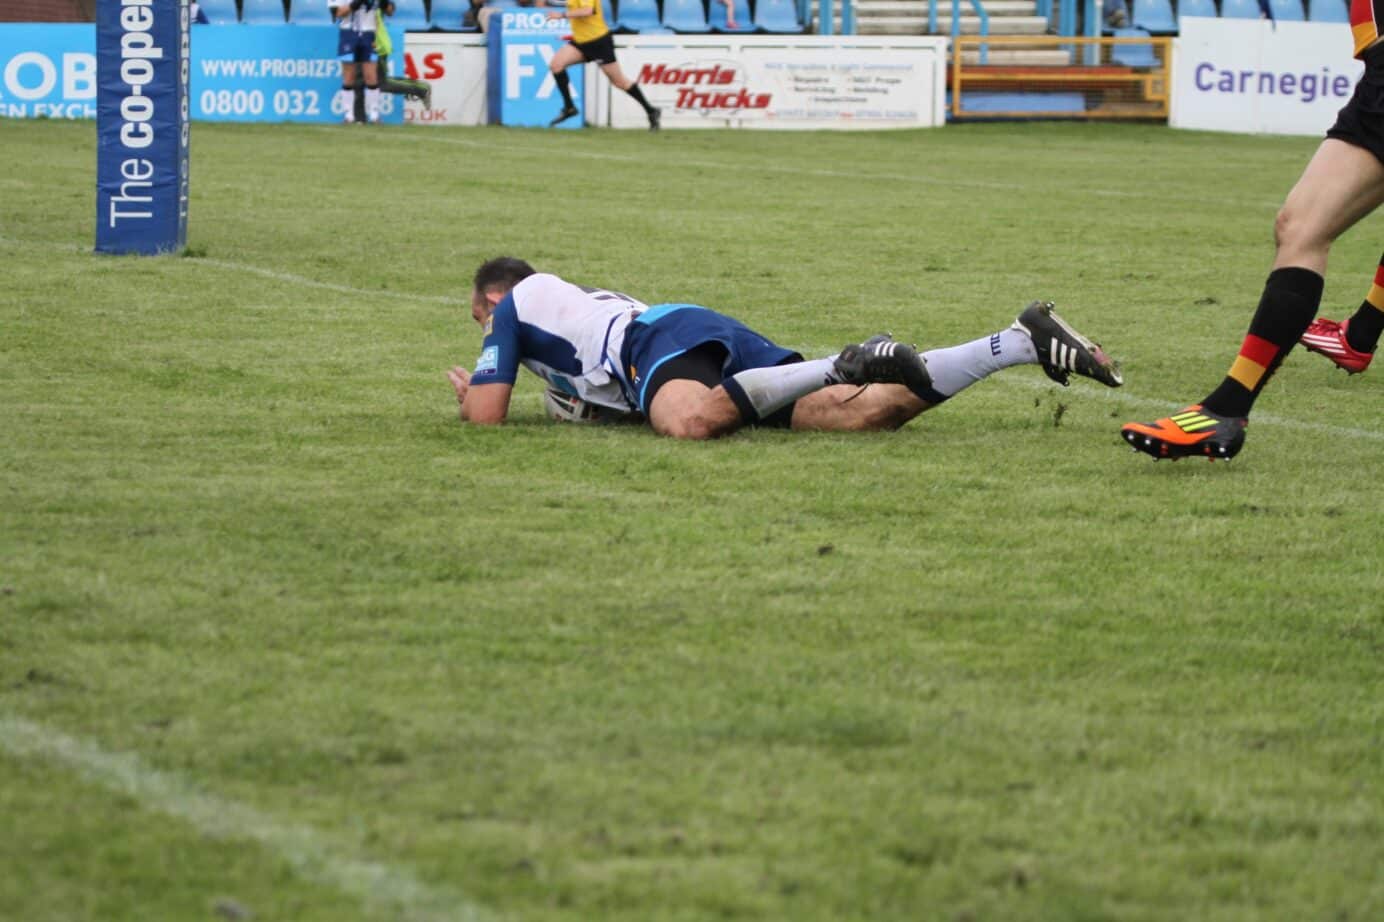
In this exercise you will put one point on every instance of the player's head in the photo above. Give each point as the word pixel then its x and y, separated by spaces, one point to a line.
pixel 493 281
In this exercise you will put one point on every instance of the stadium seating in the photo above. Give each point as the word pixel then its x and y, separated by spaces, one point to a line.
pixel 1153 16
pixel 448 14
pixel 1287 10
pixel 1328 11
pixel 777 16
pixel 1132 55
pixel 639 16
pixel 744 22
pixel 308 13
pixel 264 12
pixel 1203 8
pixel 1240 9
pixel 219 12
pixel 685 16
pixel 409 15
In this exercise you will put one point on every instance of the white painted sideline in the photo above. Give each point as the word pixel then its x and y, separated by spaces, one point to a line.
pixel 389 892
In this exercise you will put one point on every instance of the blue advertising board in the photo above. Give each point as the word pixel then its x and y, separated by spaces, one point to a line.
pixel 142 71
pixel 239 73
pixel 519 87
pixel 47 71
pixel 275 74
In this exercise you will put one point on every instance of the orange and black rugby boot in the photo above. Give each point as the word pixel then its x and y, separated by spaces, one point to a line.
pixel 1189 433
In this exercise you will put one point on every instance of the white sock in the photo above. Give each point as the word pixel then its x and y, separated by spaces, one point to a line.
pixel 372 102
pixel 348 104
pixel 958 367
pixel 769 389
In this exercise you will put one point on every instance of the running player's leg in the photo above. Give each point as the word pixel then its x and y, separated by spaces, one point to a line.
pixel 1350 344
pixel 562 59
pixel 1341 184
pixel 611 68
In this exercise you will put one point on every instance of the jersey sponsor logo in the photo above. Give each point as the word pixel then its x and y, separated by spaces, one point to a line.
pixel 489 360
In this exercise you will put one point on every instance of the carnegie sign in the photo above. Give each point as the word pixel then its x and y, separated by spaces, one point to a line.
pixel 1261 77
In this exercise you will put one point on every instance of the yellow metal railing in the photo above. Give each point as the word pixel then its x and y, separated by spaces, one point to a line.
pixel 1095 78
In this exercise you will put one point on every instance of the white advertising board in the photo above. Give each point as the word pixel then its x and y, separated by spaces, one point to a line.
pixel 455 66
pixel 1260 76
pixel 719 81
pixel 725 81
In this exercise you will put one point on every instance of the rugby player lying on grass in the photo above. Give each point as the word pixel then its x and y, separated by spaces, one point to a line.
pixel 697 374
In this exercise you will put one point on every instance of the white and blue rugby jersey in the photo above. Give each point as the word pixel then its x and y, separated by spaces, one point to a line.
pixel 361 20
pixel 568 335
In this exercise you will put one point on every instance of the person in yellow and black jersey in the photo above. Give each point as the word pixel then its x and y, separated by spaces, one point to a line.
pixel 591 41
pixel 1343 182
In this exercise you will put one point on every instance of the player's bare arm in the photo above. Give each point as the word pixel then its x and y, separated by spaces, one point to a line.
pixel 484 404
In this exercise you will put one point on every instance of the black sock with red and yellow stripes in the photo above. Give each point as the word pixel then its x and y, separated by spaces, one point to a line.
pixel 1364 327
pixel 1290 301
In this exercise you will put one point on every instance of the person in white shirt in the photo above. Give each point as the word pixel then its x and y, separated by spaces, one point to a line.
pixel 355 47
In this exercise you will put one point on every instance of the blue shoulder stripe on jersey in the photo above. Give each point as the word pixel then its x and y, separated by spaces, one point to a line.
pixel 659 311
pixel 554 351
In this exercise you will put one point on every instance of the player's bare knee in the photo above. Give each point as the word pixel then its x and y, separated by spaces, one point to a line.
pixel 692 427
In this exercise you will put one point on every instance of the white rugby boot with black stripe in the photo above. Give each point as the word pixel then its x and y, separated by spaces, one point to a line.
pixel 1062 350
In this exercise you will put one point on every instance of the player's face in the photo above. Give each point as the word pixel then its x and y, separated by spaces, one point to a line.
pixel 480 307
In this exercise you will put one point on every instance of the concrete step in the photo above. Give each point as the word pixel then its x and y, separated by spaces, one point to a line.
pixel 999 25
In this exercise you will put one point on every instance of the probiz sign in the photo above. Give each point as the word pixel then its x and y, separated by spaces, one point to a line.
pixel 47 71
pixel 142 69
pixel 1261 77
pixel 519 87
pixel 275 74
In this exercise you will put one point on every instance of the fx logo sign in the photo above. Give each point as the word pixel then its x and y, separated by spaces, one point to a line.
pixel 520 65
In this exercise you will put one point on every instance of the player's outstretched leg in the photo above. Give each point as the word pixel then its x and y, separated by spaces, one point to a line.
pixel 952 369
pixel 881 360
pixel 1063 351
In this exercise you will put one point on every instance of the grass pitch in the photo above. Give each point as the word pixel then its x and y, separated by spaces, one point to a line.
pixel 279 637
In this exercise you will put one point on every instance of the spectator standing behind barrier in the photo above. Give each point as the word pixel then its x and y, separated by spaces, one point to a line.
pixel 591 41
pixel 356 46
